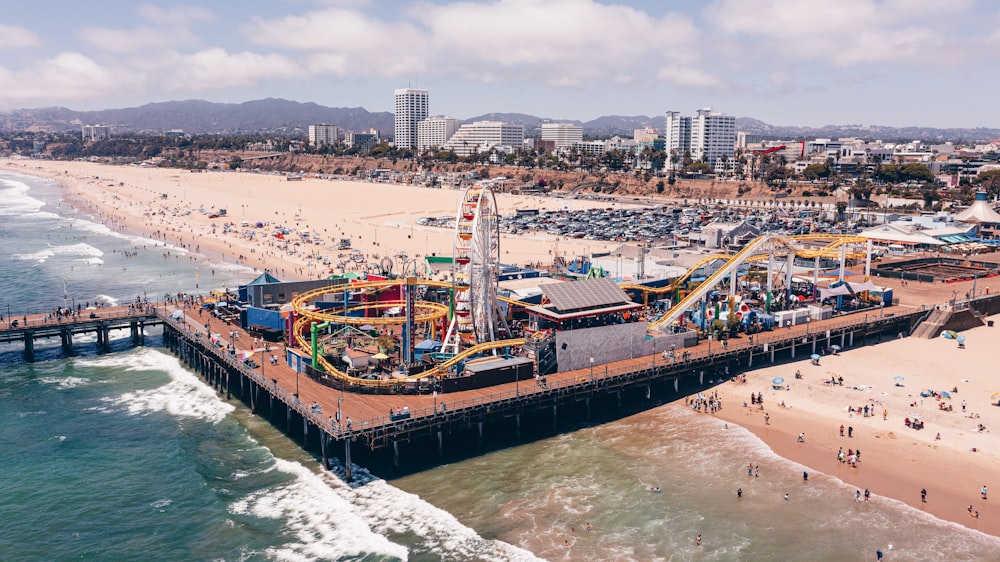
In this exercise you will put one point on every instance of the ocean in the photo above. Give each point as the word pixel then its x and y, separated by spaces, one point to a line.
pixel 129 456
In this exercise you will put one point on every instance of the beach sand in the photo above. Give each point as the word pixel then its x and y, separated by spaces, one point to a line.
pixel 896 461
pixel 381 220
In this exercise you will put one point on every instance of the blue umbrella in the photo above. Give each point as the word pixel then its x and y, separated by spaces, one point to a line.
pixel 945 395
pixel 777 380
pixel 960 339
pixel 898 378
pixel 815 356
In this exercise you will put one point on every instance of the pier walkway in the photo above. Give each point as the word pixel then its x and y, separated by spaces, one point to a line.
pixel 29 328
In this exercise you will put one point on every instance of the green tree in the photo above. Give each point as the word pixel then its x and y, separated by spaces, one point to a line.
pixel 989 182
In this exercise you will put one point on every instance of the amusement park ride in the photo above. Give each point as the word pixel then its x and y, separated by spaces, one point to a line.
pixel 476 325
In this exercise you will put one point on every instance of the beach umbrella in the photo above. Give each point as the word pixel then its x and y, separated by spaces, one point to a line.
pixel 946 335
pixel 960 339
pixel 367 327
pixel 916 415
pixel 777 380
pixel 835 347
pixel 380 356
pixel 177 314
pixel 815 356
pixel 898 378
pixel 247 355
pixel 945 396
pixel 995 396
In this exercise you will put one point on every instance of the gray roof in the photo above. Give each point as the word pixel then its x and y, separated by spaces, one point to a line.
pixel 584 294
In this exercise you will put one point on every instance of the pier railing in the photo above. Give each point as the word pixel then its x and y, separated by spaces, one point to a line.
pixel 603 376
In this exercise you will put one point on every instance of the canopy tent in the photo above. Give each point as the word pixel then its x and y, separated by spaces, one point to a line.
pixel 845 288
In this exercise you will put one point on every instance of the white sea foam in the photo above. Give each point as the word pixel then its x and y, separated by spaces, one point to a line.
pixel 14 199
pixel 64 382
pixel 183 396
pixel 110 301
pixel 391 510
pixel 324 524
pixel 81 250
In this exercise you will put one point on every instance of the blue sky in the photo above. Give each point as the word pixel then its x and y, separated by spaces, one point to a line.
pixel 786 62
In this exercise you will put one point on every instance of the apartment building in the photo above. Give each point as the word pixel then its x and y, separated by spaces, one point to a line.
pixel 434 132
pixel 95 132
pixel 323 135
pixel 481 136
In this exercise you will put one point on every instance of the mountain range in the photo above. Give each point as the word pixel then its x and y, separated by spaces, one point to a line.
pixel 282 116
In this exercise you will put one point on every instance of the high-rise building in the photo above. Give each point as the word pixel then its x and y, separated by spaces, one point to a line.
pixel 434 132
pixel 677 133
pixel 713 135
pixel 411 109
pixel 563 135
pixel 95 132
pixel 708 135
pixel 323 134
pixel 484 135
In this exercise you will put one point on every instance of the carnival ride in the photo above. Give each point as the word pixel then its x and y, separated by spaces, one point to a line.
pixel 477 325
pixel 475 262
pixel 765 247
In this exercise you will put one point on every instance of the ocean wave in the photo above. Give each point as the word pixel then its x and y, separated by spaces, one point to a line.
pixel 184 396
pixel 14 199
pixel 91 261
pixel 108 300
pixel 323 524
pixel 391 510
pixel 80 249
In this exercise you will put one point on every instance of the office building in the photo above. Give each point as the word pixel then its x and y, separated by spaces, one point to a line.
pixel 434 132
pixel 562 135
pixel 411 109
pixel 363 142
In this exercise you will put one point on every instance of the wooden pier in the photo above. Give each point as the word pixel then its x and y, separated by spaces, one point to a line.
pixel 329 421
pixel 102 322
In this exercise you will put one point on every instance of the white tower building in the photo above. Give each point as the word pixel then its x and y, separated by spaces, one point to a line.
pixel 411 109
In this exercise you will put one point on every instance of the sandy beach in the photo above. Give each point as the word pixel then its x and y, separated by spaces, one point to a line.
pixel 175 206
pixel 896 461
pixel 380 220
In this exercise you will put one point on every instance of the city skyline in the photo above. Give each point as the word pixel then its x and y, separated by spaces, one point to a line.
pixel 885 62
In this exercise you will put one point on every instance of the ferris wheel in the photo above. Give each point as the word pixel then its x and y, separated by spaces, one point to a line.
pixel 477 315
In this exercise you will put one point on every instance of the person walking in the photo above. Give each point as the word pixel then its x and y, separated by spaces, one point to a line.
pixel 983 491
pixel 923 495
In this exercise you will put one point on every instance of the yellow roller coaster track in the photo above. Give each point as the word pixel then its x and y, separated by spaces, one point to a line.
pixel 754 251
pixel 436 312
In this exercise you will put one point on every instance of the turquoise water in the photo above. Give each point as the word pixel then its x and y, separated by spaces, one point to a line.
pixel 131 457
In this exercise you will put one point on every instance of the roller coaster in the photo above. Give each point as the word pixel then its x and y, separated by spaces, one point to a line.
pixel 428 312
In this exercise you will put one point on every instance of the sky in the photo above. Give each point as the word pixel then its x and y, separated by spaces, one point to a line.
pixel 786 62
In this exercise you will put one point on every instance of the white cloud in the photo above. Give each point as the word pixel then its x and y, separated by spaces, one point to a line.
pixel 689 77
pixel 212 69
pixel 12 37
pixel 67 76
pixel 565 43
pixel 842 33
